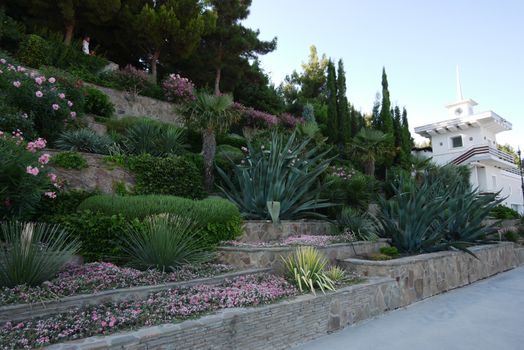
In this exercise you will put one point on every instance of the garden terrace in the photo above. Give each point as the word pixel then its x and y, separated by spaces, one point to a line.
pixel 264 230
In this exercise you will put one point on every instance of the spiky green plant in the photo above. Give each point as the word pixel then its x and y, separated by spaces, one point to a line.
pixel 165 242
pixel 336 274
pixel 153 139
pixel 84 140
pixel 306 269
pixel 33 253
pixel 287 172
pixel 361 224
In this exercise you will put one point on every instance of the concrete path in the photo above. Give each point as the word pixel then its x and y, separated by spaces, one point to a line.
pixel 485 315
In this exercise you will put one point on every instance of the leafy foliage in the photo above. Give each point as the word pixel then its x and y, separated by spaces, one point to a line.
pixel 306 269
pixel 84 140
pixel 286 172
pixel 502 212
pixel 152 138
pixel 98 103
pixel 33 253
pixel 69 160
pixel 362 225
pixel 165 242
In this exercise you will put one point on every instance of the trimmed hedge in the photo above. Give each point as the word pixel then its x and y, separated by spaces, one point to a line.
pixel 219 218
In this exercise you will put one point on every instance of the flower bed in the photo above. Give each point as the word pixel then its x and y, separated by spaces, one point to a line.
pixel 162 307
pixel 95 277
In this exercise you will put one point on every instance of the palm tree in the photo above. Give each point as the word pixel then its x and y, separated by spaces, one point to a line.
pixel 368 144
pixel 209 114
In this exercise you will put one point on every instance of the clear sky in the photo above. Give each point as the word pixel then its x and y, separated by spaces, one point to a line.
pixel 420 42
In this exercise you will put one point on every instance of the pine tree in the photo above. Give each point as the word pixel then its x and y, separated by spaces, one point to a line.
pixel 332 119
pixel 344 126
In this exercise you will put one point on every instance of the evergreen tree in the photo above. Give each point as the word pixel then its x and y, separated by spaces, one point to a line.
pixel 332 118
pixel 386 117
pixel 309 113
pixel 407 141
pixel 356 121
pixel 375 115
pixel 344 126
pixel 397 134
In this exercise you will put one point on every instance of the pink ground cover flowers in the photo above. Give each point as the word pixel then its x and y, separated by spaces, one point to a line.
pixel 311 240
pixel 95 277
pixel 162 307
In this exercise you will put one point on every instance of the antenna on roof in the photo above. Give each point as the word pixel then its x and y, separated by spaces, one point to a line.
pixel 459 87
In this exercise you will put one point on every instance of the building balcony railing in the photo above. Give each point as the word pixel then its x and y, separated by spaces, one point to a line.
pixel 484 150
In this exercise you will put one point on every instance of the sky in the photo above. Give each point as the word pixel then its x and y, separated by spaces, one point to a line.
pixel 419 42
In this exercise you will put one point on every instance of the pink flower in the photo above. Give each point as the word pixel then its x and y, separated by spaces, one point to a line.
pixel 51 195
pixel 61 95
pixel 44 158
pixel 51 80
pixel 39 93
pixel 39 80
pixel 73 115
pixel 32 171
pixel 17 84
pixel 52 177
pixel 104 323
pixel 69 103
pixel 3 61
pixel 55 107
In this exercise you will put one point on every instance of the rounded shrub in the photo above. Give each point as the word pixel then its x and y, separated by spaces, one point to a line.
pixel 34 51
pixel 96 102
pixel 69 160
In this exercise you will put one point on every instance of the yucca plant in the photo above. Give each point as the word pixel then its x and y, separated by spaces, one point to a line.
pixel 84 140
pixel 154 139
pixel 336 274
pixel 31 253
pixel 305 268
pixel 166 242
pixel 287 172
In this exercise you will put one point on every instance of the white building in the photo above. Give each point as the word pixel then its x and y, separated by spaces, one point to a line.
pixel 470 138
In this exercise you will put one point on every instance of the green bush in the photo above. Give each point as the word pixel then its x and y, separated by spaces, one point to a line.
pixel 363 226
pixel 34 51
pixel 153 138
pixel 390 251
pixel 166 242
pixel 234 140
pixel 11 32
pixel 134 81
pixel 219 218
pixel 84 140
pixel 33 253
pixel 12 119
pixel 174 176
pixel 65 203
pixel 96 102
pixel 69 160
pixel 355 189
pixel 68 83
pixel 501 212
pixel 100 235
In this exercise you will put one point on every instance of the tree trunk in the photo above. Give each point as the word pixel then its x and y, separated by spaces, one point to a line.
pixel 69 31
pixel 217 81
pixel 209 149
pixel 369 167
pixel 154 60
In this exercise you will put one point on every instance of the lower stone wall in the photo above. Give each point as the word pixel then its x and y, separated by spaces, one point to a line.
pixel 271 256
pixel 265 231
pixel 519 252
pixel 425 275
pixel 277 326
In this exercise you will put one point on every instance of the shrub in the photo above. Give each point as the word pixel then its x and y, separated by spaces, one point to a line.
pixel 165 242
pixel 12 120
pixel 154 139
pixel 361 225
pixel 38 97
pixel 389 251
pixel 69 160
pixel 34 51
pixel 502 212
pixel 68 83
pixel 11 32
pixel 174 176
pixel 285 172
pixel 234 140
pixel 33 253
pixel 134 81
pixel 348 187
pixel 96 102
pixel 305 268
pixel 178 89
pixel 219 219
pixel 84 140
pixel 24 177
pixel 65 203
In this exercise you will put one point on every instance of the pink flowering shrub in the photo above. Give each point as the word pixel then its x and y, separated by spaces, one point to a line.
pixel 178 89
pixel 24 176
pixel 290 121
pixel 96 277
pixel 253 118
pixel 37 97
pixel 162 307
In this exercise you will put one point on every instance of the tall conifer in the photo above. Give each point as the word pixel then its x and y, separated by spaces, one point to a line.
pixel 332 118
pixel 344 126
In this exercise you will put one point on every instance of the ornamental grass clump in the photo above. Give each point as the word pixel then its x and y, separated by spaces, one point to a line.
pixel 306 269
pixel 33 253
pixel 166 242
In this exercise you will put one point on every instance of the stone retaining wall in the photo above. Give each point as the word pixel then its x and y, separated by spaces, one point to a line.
pixel 519 252
pixel 127 104
pixel 276 326
pixel 265 231
pixel 98 176
pixel 270 256
pixel 20 312
pixel 425 275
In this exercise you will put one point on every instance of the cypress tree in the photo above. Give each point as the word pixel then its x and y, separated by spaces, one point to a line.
pixel 332 118
pixel 407 141
pixel 375 121
pixel 397 134
pixel 386 117
pixel 355 121
pixel 344 127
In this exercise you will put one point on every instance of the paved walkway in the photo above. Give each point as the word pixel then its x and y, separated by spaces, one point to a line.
pixel 486 315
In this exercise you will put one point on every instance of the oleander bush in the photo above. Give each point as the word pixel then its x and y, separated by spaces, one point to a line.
pixel 220 219
pixel 33 253
pixel 84 140
pixel 69 160
pixel 166 242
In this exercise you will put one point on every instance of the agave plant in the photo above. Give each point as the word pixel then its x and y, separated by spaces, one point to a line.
pixel 286 172
pixel 84 140
pixel 306 268
pixel 165 242
pixel 33 253
pixel 153 139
